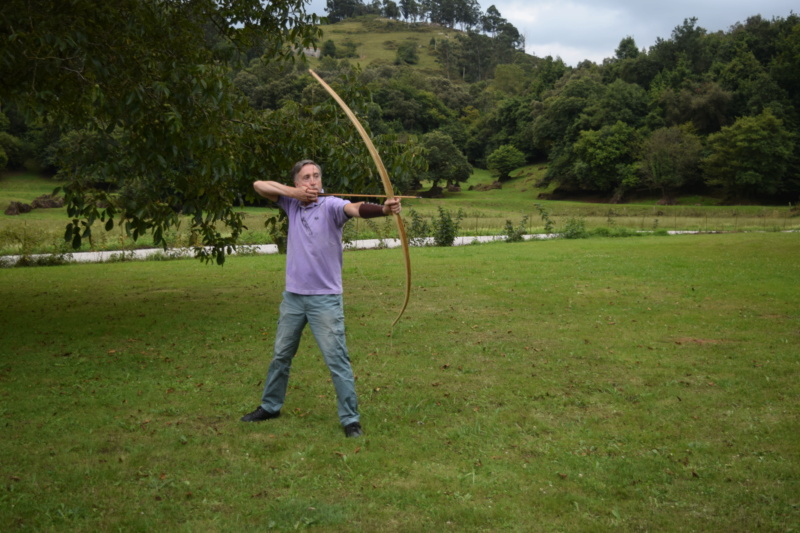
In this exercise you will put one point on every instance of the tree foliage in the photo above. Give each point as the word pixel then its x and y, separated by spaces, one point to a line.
pixel 751 156
pixel 445 161
pixel 606 159
pixel 504 160
pixel 407 54
pixel 145 84
pixel 671 160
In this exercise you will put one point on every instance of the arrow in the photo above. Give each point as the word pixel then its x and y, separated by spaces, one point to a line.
pixel 347 195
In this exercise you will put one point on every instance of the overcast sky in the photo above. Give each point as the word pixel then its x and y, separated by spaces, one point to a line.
pixel 582 29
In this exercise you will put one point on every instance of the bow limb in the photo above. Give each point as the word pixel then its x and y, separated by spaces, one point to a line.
pixel 387 185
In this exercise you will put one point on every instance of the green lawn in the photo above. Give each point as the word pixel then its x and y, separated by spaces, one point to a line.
pixel 570 385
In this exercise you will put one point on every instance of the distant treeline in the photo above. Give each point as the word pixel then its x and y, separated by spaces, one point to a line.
pixel 697 111
pixel 466 14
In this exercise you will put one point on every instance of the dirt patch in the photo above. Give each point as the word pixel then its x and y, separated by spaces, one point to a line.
pixel 702 342
pixel 47 201
pixel 18 208
pixel 43 202
pixel 487 186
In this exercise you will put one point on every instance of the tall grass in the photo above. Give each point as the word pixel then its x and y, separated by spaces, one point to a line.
pixel 588 385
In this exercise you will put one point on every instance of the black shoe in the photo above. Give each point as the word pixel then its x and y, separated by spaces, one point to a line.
pixel 353 430
pixel 259 415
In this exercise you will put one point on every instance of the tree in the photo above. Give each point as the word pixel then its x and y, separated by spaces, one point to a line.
pixel 347 48
pixel 750 85
pixel 407 54
pixel 409 9
pixel 558 118
pixel 619 101
pixel 328 49
pixel 504 160
pixel 339 10
pixel 627 49
pixel 8 142
pixel 606 159
pixel 474 63
pixel 546 72
pixel 146 84
pixel 752 156
pixel 391 10
pixel 689 41
pixel 785 68
pixel 509 79
pixel 4 122
pixel 706 106
pixel 670 160
pixel 443 12
pixel 446 163
pixel 507 43
pixel 492 21
pixel 411 109
pixel 468 13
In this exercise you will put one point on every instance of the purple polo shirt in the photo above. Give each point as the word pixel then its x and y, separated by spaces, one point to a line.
pixel 314 246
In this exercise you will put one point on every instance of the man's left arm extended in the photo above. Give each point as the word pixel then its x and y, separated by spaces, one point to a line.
pixel 365 210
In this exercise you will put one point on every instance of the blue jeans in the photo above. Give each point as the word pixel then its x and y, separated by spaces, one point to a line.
pixel 325 314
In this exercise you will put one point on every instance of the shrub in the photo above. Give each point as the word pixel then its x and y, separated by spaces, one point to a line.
pixel 545 214
pixel 445 227
pixel 407 54
pixel 419 230
pixel 575 228
pixel 516 234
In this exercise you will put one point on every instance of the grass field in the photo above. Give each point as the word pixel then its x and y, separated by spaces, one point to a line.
pixel 570 385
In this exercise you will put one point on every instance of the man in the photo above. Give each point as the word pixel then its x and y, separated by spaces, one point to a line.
pixel 313 292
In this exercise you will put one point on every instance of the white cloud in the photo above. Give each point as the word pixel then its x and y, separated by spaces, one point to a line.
pixel 569 30
pixel 578 30
pixel 569 54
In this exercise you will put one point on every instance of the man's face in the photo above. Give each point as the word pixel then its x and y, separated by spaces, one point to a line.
pixel 309 177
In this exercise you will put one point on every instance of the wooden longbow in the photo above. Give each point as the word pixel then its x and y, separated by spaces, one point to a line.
pixel 387 185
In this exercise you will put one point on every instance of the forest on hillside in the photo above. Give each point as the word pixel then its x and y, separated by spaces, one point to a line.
pixel 151 109
pixel 697 111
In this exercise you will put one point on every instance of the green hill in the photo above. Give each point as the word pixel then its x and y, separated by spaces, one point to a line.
pixel 377 39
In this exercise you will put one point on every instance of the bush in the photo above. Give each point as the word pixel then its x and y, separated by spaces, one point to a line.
pixel 419 230
pixel 407 54
pixel 516 234
pixel 545 214
pixel 445 228
pixel 328 49
pixel 575 228
pixel 601 232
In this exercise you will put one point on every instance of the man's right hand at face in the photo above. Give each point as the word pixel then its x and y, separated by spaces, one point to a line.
pixel 308 194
